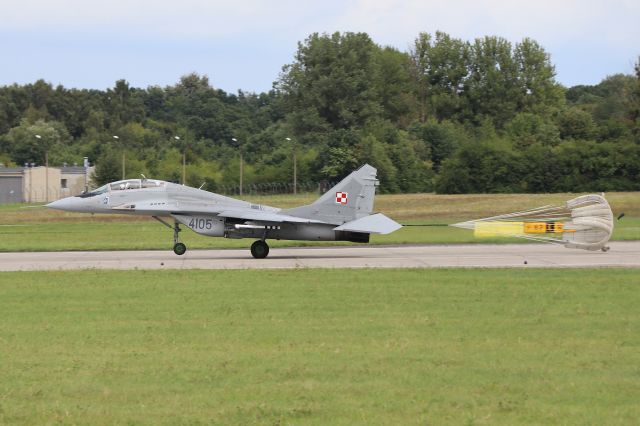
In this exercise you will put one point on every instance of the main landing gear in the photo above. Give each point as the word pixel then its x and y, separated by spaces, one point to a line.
pixel 178 247
pixel 260 249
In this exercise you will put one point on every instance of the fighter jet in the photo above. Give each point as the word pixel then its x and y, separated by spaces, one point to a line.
pixel 344 213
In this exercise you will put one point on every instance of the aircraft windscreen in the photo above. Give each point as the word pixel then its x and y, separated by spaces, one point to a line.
pixel 95 192
pixel 148 183
pixel 125 184
pixel 136 184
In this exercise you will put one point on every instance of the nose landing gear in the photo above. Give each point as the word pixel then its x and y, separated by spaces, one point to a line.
pixel 178 247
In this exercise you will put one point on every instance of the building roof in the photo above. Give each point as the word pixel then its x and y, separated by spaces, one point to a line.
pixel 72 170
pixel 11 170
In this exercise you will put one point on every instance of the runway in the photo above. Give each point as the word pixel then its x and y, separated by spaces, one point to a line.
pixel 622 254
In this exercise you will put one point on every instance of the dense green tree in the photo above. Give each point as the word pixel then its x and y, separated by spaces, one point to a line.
pixel 440 140
pixel 610 104
pixel 414 174
pixel 526 129
pixel 372 151
pixel 593 166
pixel 488 166
pixel 479 116
pixel 634 110
pixel 576 124
pixel 108 168
pixel 542 170
pixel 339 157
pixel 493 89
pixel 539 92
pixel 29 142
pixel 331 79
pixel 394 86
pixel 441 68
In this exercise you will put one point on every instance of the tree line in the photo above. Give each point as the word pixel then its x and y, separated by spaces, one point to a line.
pixel 448 115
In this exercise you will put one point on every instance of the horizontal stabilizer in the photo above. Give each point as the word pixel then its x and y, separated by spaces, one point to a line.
pixel 372 224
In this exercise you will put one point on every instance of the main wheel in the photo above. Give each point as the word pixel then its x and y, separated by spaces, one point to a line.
pixel 179 249
pixel 259 249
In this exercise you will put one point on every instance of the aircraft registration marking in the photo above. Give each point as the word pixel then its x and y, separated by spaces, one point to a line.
pixel 200 223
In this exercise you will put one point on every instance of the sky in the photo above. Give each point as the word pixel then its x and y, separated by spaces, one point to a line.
pixel 243 44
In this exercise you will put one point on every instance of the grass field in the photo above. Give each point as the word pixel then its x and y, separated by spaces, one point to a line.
pixel 320 347
pixel 35 229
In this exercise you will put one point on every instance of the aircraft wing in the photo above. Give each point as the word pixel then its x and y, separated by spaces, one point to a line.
pixel 254 215
pixel 264 216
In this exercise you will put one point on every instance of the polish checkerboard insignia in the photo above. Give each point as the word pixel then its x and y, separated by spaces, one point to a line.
pixel 342 197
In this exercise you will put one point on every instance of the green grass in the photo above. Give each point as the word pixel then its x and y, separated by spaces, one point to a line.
pixel 148 235
pixel 320 347
pixel 39 229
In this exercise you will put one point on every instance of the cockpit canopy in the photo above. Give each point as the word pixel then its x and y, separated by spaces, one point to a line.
pixel 123 185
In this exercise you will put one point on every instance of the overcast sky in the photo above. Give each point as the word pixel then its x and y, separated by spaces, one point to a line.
pixel 244 44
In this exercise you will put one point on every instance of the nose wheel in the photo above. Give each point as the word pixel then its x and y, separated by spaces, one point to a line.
pixel 178 247
pixel 259 249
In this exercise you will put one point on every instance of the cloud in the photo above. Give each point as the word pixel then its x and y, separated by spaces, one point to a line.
pixel 398 22
pixel 230 39
pixel 184 19
pixel 395 22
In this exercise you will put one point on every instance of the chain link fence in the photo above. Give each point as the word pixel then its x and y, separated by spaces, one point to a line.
pixel 272 188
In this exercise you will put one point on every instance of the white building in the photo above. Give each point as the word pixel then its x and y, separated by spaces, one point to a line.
pixel 42 184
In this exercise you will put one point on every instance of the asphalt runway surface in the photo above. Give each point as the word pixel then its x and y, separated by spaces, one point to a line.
pixel 622 254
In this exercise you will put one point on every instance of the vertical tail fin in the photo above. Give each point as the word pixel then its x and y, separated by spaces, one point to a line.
pixel 349 200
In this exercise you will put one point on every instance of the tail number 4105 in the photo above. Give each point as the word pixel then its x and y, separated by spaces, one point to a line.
pixel 200 223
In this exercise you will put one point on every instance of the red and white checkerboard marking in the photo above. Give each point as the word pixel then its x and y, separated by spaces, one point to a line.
pixel 342 197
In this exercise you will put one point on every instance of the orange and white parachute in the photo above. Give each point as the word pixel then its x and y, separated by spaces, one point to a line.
pixel 585 222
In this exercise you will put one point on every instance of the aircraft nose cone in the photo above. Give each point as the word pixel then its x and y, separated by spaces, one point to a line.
pixel 55 204
pixel 69 204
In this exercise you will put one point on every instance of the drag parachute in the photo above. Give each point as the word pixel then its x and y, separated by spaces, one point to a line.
pixel 585 222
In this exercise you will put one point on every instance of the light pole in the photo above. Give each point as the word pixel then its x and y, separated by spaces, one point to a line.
pixel 46 171
pixel 295 168
pixel 123 158
pixel 25 199
pixel 184 161
pixel 31 182
pixel 241 165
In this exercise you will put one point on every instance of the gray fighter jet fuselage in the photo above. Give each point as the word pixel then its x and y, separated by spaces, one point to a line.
pixel 344 213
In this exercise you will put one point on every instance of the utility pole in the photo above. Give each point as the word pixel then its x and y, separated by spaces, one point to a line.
pixel 241 162
pixel 184 161
pixel 123 157
pixel 24 196
pixel 31 182
pixel 46 171
pixel 295 168
pixel 85 163
pixel 46 176
pixel 241 170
